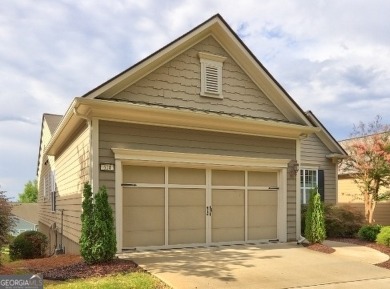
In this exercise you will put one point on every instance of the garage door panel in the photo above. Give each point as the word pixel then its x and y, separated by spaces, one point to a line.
pixel 188 236
pixel 181 218
pixel 228 216
pixel 262 179
pixel 186 215
pixel 143 197
pixel 187 176
pixel 187 197
pixel 228 197
pixel 143 174
pixel 143 218
pixel 228 234
pixel 259 216
pixel 228 178
pixel 143 238
pixel 262 197
pixel 263 233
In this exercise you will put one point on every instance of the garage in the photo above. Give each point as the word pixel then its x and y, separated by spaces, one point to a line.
pixel 177 206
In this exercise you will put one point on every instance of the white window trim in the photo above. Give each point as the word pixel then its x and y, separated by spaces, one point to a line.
pixel 215 62
pixel 303 195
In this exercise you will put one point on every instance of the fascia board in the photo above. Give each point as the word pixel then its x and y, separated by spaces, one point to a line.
pixel 142 114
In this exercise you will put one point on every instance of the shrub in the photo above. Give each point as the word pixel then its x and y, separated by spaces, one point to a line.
pixel 369 232
pixel 28 245
pixel 384 236
pixel 340 221
pixel 98 239
pixel 315 223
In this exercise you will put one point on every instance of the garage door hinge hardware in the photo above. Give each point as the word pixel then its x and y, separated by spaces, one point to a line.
pixel 273 188
pixel 129 185
pixel 209 210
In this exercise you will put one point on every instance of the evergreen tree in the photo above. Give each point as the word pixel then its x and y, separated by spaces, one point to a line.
pixel 87 238
pixel 315 222
pixel 98 240
pixel 104 248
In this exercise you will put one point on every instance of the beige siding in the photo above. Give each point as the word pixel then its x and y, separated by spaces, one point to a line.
pixel 133 136
pixel 72 166
pixel 177 83
pixel 313 153
pixel 71 172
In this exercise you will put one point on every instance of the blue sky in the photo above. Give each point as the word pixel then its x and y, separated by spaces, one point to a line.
pixel 333 57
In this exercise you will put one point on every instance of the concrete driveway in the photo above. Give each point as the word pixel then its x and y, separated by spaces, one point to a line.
pixel 266 266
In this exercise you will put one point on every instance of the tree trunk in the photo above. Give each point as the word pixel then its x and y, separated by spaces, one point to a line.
pixel 367 206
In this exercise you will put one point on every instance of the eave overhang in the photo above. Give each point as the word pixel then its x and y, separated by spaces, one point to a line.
pixel 83 108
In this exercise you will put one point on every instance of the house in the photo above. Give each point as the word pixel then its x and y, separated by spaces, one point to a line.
pixel 25 216
pixel 196 144
pixel 350 195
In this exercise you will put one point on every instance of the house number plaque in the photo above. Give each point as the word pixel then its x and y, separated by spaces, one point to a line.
pixel 107 167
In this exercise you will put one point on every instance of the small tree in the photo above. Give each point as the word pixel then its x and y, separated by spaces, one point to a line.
pixel 87 221
pixel 315 221
pixel 98 240
pixel 104 248
pixel 6 220
pixel 30 193
pixel 369 162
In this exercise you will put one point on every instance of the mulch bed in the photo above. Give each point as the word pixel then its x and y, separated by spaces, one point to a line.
pixel 319 248
pixel 64 267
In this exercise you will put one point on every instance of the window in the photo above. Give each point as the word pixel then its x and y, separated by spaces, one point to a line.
pixel 48 184
pixel 310 179
pixel 211 75
pixel 52 186
pixel 53 201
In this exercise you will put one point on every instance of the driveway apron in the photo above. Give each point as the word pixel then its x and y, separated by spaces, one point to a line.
pixel 262 266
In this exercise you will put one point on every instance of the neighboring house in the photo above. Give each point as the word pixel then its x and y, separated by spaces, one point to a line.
pixel 26 217
pixel 349 193
pixel 197 144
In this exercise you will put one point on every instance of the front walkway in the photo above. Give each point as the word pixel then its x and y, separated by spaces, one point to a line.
pixel 264 266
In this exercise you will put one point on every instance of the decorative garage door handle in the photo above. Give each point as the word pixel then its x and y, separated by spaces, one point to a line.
pixel 209 210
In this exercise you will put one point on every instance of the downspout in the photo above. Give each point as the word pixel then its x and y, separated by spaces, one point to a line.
pixel 299 237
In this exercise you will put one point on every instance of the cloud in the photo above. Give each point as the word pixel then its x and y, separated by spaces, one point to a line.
pixel 331 56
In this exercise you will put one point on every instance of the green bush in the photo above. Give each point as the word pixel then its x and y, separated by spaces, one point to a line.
pixel 369 232
pixel 384 236
pixel 340 221
pixel 315 223
pixel 28 245
pixel 98 239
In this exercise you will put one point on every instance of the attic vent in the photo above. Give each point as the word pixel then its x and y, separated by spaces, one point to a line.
pixel 211 75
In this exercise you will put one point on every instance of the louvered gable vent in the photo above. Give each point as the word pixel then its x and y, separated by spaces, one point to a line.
pixel 211 74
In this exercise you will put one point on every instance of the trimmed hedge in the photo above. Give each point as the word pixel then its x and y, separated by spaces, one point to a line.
pixel 384 236
pixel 369 232
pixel 28 245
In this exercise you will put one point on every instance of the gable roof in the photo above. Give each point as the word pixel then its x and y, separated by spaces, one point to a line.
pixel 324 135
pixel 97 102
pixel 217 27
pixel 52 121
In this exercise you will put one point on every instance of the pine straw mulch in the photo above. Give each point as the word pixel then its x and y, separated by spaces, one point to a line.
pixel 64 267
pixel 326 249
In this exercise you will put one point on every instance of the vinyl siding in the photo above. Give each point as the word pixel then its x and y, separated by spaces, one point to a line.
pixel 313 153
pixel 71 172
pixel 381 212
pixel 144 137
pixel 177 83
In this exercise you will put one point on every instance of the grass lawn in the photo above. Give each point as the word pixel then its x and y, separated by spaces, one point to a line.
pixel 134 280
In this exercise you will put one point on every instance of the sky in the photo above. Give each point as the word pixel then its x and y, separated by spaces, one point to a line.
pixel 331 56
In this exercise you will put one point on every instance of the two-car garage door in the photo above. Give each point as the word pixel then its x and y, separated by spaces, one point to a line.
pixel 175 206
